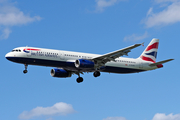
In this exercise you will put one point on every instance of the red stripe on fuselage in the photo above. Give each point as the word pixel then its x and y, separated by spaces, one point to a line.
pixel 147 59
pixel 32 49
pixel 155 45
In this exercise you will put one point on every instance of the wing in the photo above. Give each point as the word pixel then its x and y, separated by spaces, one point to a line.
pixel 103 59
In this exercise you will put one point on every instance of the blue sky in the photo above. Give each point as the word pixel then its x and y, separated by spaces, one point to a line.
pixel 94 26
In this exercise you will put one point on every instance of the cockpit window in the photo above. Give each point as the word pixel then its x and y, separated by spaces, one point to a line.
pixel 16 50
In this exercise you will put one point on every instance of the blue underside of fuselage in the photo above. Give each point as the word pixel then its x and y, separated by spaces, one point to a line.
pixel 69 65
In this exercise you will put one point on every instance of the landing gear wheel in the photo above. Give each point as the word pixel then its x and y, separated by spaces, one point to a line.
pixel 96 74
pixel 79 79
pixel 25 71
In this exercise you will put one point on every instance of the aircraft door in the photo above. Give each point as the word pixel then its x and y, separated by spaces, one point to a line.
pixel 61 55
pixel 140 64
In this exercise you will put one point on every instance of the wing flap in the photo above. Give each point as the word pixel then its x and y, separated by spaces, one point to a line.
pixel 117 53
pixel 102 59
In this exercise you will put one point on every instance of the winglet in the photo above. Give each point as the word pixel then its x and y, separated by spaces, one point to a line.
pixel 142 44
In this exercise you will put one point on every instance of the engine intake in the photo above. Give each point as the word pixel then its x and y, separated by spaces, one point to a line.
pixel 61 73
pixel 82 63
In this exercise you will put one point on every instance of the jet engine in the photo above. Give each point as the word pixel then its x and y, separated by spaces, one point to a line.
pixel 84 64
pixel 61 73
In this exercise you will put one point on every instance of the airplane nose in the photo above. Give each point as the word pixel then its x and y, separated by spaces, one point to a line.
pixel 8 56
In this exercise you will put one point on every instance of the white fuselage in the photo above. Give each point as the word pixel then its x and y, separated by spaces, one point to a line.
pixel 66 59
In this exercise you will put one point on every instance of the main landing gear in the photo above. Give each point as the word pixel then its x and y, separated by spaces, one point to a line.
pixel 80 79
pixel 96 74
pixel 25 71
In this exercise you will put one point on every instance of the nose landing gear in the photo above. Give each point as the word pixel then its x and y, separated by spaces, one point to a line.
pixel 25 71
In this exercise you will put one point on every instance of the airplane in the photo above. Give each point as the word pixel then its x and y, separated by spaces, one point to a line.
pixel 67 63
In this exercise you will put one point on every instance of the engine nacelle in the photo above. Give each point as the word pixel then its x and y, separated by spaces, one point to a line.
pixel 84 64
pixel 61 73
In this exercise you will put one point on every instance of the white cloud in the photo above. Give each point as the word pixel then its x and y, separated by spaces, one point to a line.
pixel 49 119
pixel 135 37
pixel 170 15
pixel 102 4
pixel 163 1
pixel 11 16
pixel 115 118
pixel 5 33
pixel 57 109
pixel 150 11
pixel 162 116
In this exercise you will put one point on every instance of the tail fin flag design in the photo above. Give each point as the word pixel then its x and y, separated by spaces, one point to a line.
pixel 150 53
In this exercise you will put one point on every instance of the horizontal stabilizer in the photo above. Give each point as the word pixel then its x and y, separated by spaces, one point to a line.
pixel 161 62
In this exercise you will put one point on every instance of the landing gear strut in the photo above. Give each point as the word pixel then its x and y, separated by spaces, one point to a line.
pixel 79 79
pixel 96 74
pixel 25 71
